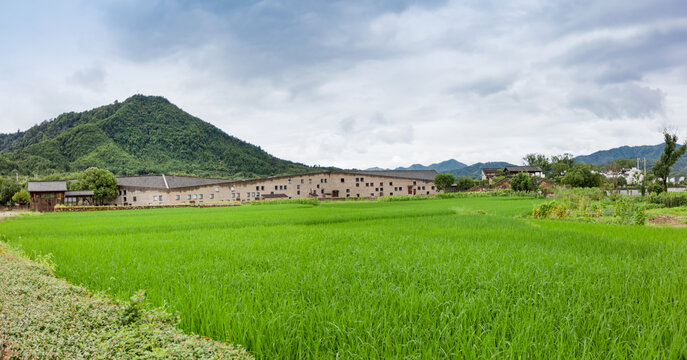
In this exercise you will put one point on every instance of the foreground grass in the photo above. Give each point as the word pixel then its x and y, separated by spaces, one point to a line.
pixel 42 317
pixel 462 278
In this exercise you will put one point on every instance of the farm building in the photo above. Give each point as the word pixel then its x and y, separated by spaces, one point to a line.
pixel 532 171
pixel 44 195
pixel 170 190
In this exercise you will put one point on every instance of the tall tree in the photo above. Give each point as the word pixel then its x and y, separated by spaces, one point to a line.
pixel 443 181
pixel 101 181
pixel 669 156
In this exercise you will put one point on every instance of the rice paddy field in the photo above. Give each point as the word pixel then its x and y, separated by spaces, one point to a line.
pixel 450 278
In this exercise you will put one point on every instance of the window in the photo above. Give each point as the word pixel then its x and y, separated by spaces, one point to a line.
pixel 280 187
pixel 391 183
pixel 318 186
pixel 376 189
pixel 391 194
pixel 257 188
pixel 247 195
pixel 357 179
pixel 325 180
pixel 253 194
pixel 289 181
pixel 362 179
pixel 323 191
pixel 188 197
pixel 414 182
pixel 342 179
pixel 195 196
pixel 124 199
pixel 262 187
pixel 298 192
pixel 216 188
pixel 124 192
pixel 381 184
pixel 233 188
pixel 381 189
pixel 134 198
pixel 432 187
pixel 301 181
pixel 357 195
pixel 284 187
pixel 298 186
pixel 233 195
pixel 348 190
pixel 276 187
pixel 348 195
pixel 155 198
pixel 257 194
pixel 160 197
pixel 428 193
pixel 178 197
pixel 423 188
pixel 212 196
pixel 310 181
pixel 372 195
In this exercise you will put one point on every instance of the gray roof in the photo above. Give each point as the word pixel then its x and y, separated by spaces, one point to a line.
pixel 47 186
pixel 167 181
pixel 523 168
pixel 79 193
pixel 406 174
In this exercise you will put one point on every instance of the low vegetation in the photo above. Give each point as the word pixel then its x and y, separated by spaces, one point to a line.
pixel 42 317
pixel 463 277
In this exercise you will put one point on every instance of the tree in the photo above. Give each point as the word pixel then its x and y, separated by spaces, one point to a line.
pixel 581 176
pixel 465 183
pixel 538 160
pixel 101 181
pixel 668 157
pixel 522 182
pixel 443 181
pixel 21 197
pixel 8 188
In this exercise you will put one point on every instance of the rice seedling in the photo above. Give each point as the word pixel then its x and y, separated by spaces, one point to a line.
pixel 464 277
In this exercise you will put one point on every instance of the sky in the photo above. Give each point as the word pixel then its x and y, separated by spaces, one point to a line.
pixel 356 84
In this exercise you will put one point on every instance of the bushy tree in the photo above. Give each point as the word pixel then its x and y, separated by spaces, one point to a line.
pixel 668 158
pixel 465 183
pixel 8 188
pixel 101 181
pixel 443 181
pixel 522 182
pixel 581 176
pixel 554 168
pixel 21 197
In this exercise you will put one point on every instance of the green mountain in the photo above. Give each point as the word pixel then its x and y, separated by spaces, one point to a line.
pixel 441 167
pixel 144 134
pixel 651 152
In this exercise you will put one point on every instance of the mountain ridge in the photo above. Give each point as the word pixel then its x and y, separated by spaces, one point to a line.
pixel 141 135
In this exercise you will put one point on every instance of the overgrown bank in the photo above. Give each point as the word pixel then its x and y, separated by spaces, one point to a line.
pixel 42 317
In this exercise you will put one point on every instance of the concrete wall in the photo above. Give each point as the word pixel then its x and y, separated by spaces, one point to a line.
pixel 323 186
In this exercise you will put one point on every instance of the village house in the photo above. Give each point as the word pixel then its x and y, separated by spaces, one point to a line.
pixel 172 190
pixel 532 171
pixel 45 195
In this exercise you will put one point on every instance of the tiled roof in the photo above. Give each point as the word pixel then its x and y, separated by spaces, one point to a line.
pixel 523 168
pixel 406 174
pixel 47 186
pixel 167 181
pixel 79 193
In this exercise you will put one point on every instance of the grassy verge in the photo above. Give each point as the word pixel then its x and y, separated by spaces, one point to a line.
pixel 42 317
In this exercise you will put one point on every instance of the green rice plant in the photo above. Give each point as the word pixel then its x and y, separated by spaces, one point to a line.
pixel 452 278
pixel 307 201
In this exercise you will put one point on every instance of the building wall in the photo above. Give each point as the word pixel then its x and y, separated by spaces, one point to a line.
pixel 323 186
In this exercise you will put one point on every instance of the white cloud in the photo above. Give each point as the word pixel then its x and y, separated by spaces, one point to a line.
pixel 352 85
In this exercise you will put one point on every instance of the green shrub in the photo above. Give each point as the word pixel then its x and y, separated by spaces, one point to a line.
pixel 667 199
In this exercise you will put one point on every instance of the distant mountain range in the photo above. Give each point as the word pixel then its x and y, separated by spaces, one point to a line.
pixel 651 152
pixel 143 134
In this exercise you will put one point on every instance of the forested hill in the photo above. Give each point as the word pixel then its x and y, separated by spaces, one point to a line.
pixel 144 134
pixel 649 152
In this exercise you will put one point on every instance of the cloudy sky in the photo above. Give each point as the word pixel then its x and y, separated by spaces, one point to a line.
pixel 363 83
